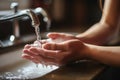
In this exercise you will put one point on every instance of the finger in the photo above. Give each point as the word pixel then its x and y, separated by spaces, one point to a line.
pixel 33 55
pixel 26 51
pixel 46 40
pixel 34 52
pixel 49 56
pixel 25 56
pixel 54 35
pixel 41 59
pixel 55 46
pixel 36 59
pixel 27 46
pixel 45 53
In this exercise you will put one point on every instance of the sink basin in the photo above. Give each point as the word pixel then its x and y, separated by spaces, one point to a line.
pixel 12 66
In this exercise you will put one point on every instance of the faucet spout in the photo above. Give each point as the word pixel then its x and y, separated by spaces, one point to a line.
pixel 34 18
pixel 30 13
pixel 23 13
pixel 45 16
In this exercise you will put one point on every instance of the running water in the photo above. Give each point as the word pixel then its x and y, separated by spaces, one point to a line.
pixel 36 23
pixel 37 31
pixel 37 44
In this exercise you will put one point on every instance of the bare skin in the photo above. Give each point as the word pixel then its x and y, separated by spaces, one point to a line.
pixel 107 28
pixel 82 46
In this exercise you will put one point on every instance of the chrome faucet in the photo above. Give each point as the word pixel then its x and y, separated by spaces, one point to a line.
pixel 28 12
pixel 15 38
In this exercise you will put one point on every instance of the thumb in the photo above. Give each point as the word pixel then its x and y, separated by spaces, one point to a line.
pixel 55 46
pixel 55 35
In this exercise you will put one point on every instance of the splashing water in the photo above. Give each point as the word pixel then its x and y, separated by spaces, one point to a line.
pixel 27 72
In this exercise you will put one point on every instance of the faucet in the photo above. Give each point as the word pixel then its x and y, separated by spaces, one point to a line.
pixel 32 14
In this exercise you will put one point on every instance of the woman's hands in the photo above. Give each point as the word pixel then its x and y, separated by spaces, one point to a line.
pixel 56 53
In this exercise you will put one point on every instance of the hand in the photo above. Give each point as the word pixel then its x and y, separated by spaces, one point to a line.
pixel 60 37
pixel 56 53
pixel 27 55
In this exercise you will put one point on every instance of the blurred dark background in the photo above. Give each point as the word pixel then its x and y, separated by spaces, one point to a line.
pixel 63 13
pixel 71 12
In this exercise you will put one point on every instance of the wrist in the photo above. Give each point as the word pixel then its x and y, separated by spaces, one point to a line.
pixel 89 51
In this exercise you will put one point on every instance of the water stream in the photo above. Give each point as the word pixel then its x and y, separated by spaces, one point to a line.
pixel 37 31
pixel 38 43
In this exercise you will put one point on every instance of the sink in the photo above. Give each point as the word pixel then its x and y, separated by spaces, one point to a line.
pixel 12 66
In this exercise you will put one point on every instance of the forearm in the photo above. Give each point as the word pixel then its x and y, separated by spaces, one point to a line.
pixel 108 26
pixel 105 55
pixel 111 12
pixel 99 34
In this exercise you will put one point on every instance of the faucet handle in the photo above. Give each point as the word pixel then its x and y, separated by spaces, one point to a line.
pixel 14 6
pixel 16 32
